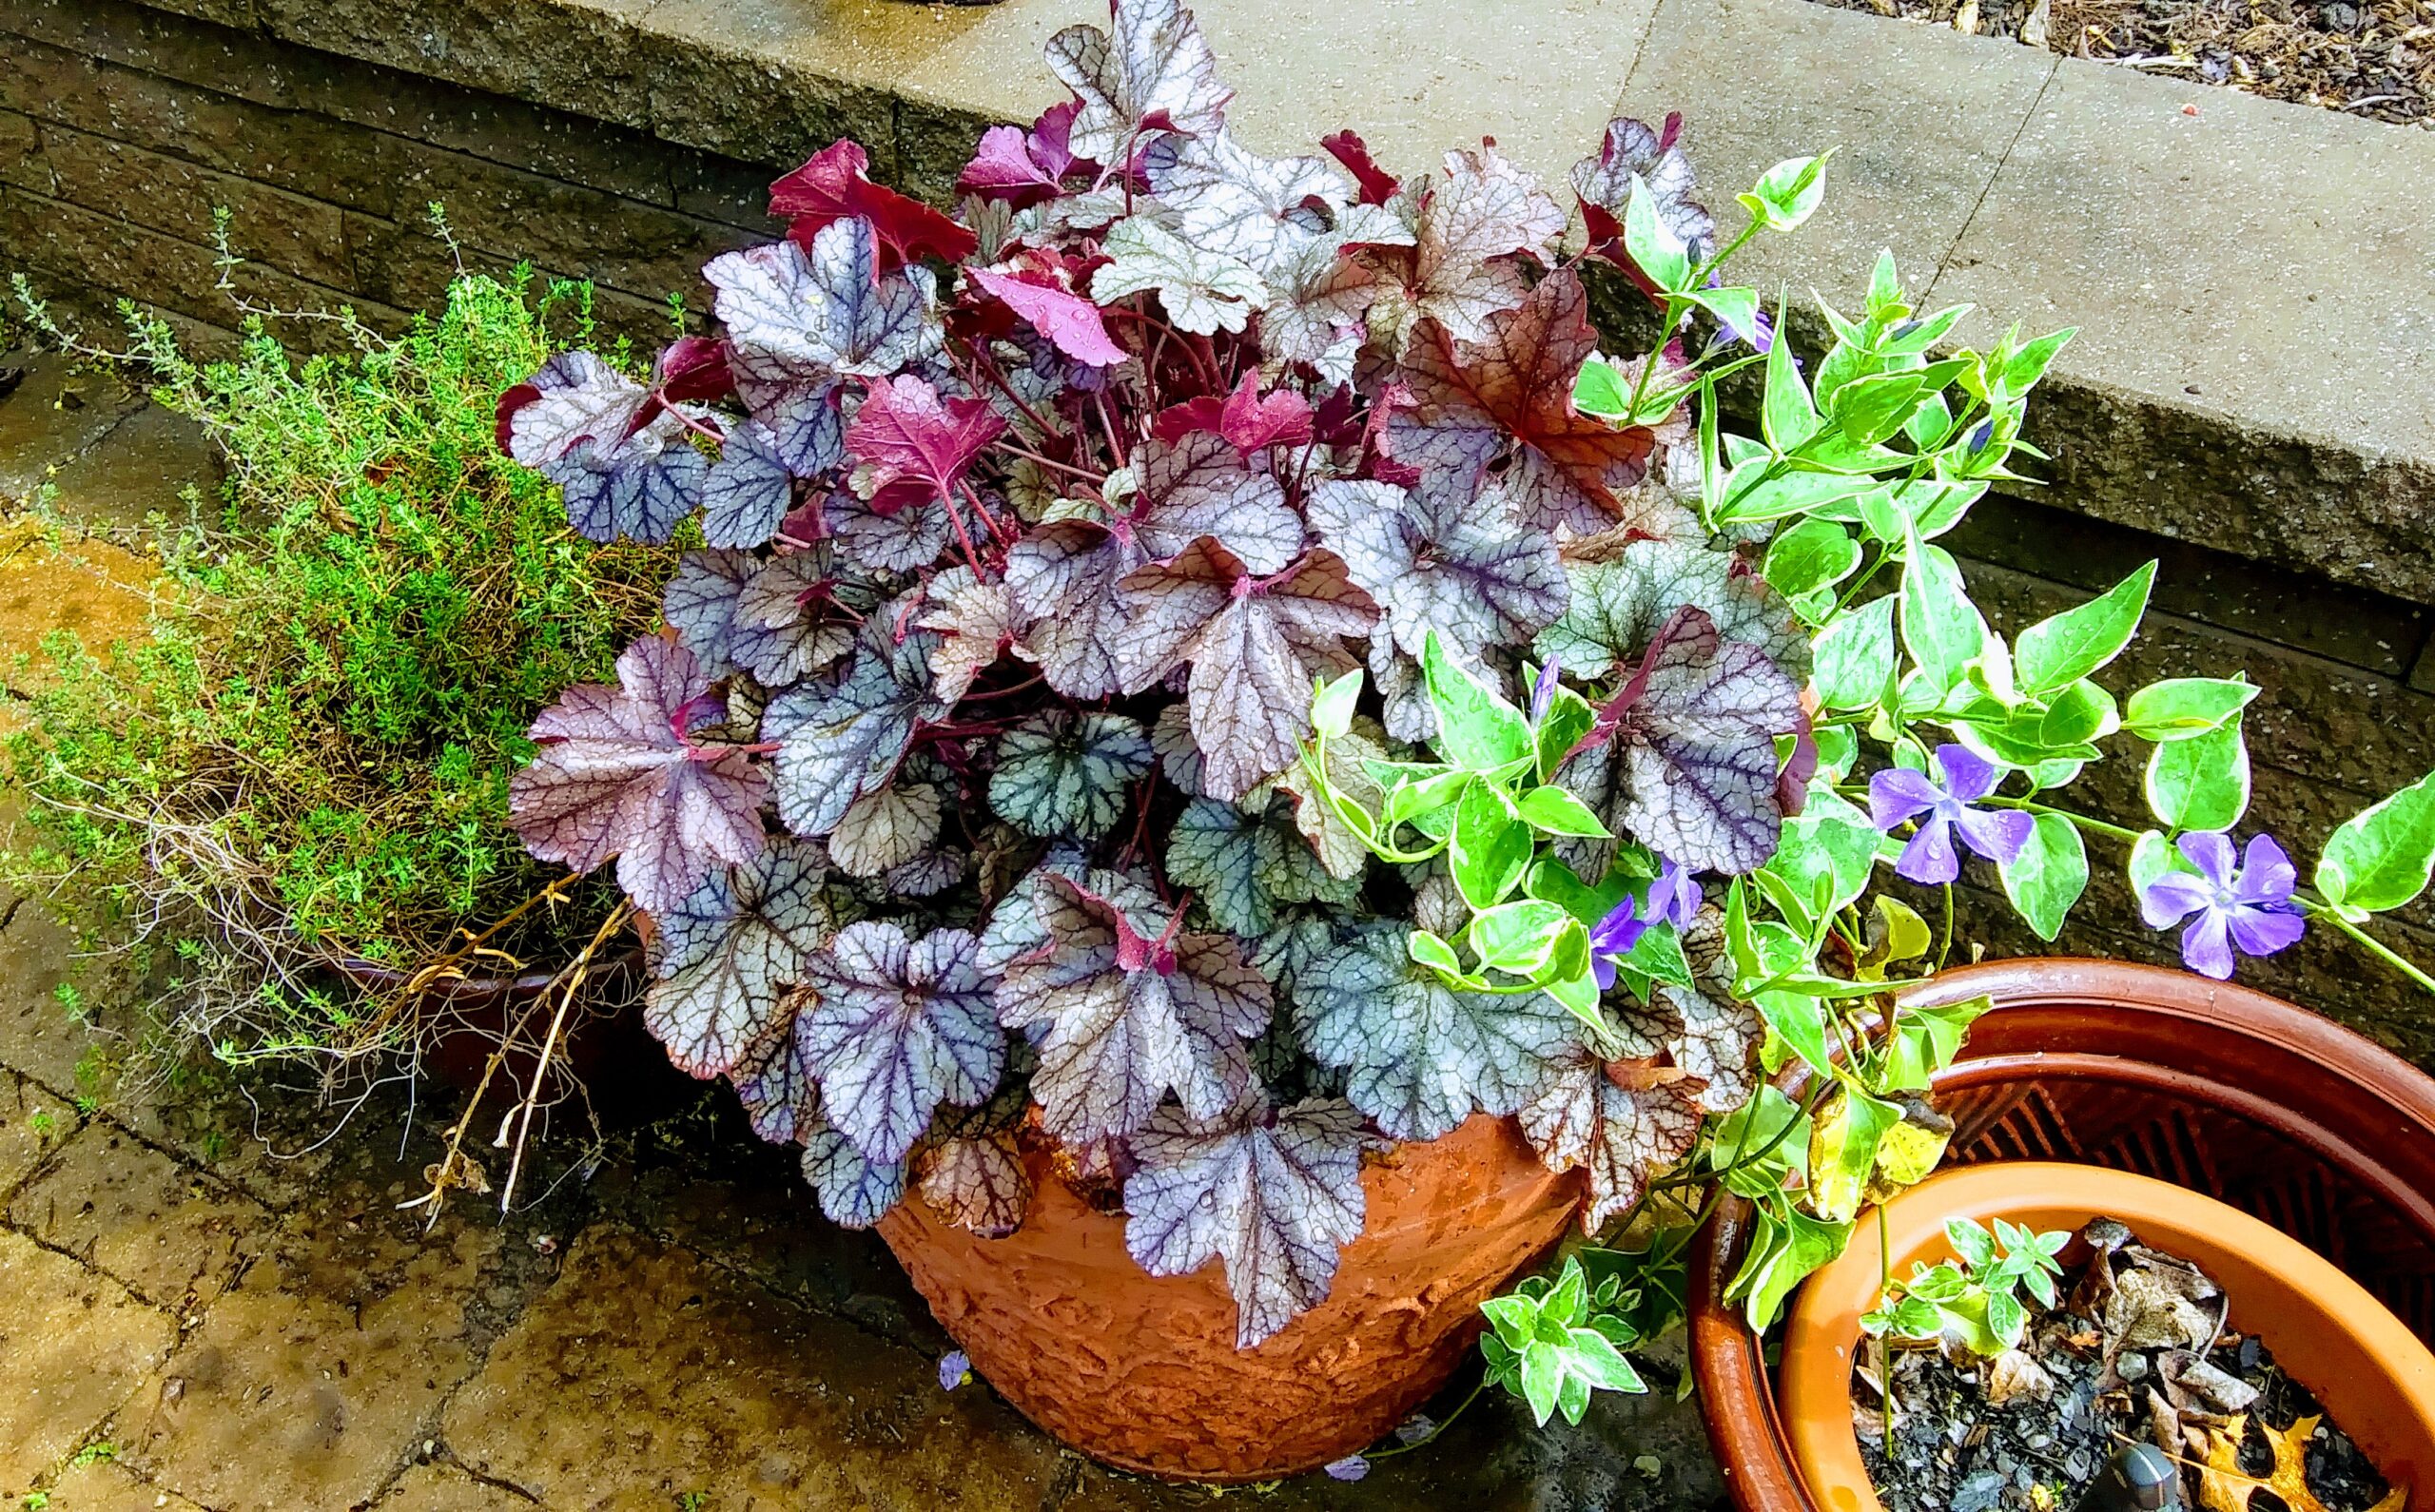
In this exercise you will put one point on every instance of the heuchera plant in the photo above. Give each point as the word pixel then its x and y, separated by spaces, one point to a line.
pixel 1238 678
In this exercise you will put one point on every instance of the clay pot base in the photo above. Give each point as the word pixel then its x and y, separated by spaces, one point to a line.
pixel 2363 1363
pixel 1141 1372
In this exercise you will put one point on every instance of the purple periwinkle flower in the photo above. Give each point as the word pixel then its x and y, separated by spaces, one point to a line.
pixel 2247 908
pixel 1351 1467
pixel 1943 807
pixel 1414 1429
pixel 1674 898
pixel 955 1366
pixel 1543 692
pixel 1615 936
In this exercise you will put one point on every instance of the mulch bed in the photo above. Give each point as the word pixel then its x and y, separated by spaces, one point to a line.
pixel 2371 58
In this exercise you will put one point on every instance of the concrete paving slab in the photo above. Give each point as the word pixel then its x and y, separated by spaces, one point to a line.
pixel 38 1034
pixel 56 411
pixel 2263 266
pixel 447 1488
pixel 148 466
pixel 307 1378
pixel 668 1378
pixel 104 1486
pixel 73 1346
pixel 32 1124
pixel 173 1236
pixel 1921 118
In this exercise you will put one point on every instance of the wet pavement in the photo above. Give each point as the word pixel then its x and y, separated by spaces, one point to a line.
pixel 214 1296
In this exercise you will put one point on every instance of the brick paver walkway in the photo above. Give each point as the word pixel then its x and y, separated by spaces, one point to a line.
pixel 208 1300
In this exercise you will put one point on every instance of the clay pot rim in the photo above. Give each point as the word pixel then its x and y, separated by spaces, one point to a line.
pixel 1745 1424
pixel 2280 1289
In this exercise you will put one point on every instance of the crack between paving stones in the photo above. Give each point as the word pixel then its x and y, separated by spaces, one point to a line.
pixel 2054 66
pixel 87 1263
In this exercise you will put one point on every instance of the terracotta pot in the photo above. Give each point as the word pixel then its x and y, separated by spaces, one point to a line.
pixel 2286 1116
pixel 1141 1372
pixel 2364 1368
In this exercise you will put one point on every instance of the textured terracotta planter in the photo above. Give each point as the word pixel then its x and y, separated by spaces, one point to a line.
pixel 2312 1129
pixel 2363 1365
pixel 1141 1372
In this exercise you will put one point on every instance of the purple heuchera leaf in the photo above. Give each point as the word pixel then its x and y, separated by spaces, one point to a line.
pixel 854 1191
pixel 979 1184
pixel 699 605
pixel 1065 318
pixel 1461 567
pixel 612 445
pixel 1122 1018
pixel 780 1096
pixel 720 957
pixel 1420 1057
pixel 1898 794
pixel 1604 181
pixel 797 319
pixel 1200 485
pixel 748 491
pixel 897 1027
pixel 2247 908
pixel 1022 167
pixel 1691 766
pixel 1274 1193
pixel 619 774
pixel 1254 644
pixel 1066 580
pixel 841 736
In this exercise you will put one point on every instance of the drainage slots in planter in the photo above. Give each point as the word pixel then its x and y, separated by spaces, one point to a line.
pixel 2358 1362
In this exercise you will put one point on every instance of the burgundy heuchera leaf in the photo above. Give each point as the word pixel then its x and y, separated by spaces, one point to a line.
pixel 831 186
pixel 918 445
pixel 618 774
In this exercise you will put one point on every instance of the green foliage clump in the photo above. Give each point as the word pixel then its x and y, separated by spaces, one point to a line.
pixel 304 764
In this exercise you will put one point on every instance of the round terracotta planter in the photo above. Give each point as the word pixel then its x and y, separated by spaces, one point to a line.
pixel 1141 1372
pixel 2286 1115
pixel 2366 1368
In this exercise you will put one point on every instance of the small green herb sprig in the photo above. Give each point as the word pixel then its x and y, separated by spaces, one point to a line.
pixel 1971 1306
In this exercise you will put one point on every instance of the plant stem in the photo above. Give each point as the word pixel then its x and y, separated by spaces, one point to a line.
pixel 2377 947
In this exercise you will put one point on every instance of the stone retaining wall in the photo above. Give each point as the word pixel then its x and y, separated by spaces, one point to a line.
pixel 567 132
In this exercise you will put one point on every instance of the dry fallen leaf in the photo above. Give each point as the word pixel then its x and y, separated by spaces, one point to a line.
pixel 2222 1486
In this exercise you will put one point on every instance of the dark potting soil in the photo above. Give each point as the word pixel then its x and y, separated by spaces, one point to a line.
pixel 2111 1375
pixel 2374 59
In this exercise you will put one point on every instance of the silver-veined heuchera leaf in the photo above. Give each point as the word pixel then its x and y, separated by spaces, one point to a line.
pixel 1457 564
pixel 1256 644
pixel 618 774
pixel 840 737
pixel 780 1096
pixel 1626 1124
pixel 798 317
pixel 720 957
pixel 898 1027
pixel 1243 869
pixel 1203 291
pixel 1623 593
pixel 1063 773
pixel 1201 485
pixel 1066 579
pixel 975 622
pixel 1275 1194
pixel 978 1184
pixel 903 539
pixel 1604 181
pixel 1683 758
pixel 1153 65
pixel 884 830
pixel 855 1191
pixel 1230 202
pixel 787 625
pixel 747 490
pixel 1122 1018
pixel 699 605
pixel 616 450
pixel 1420 1057
pixel 1482 214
